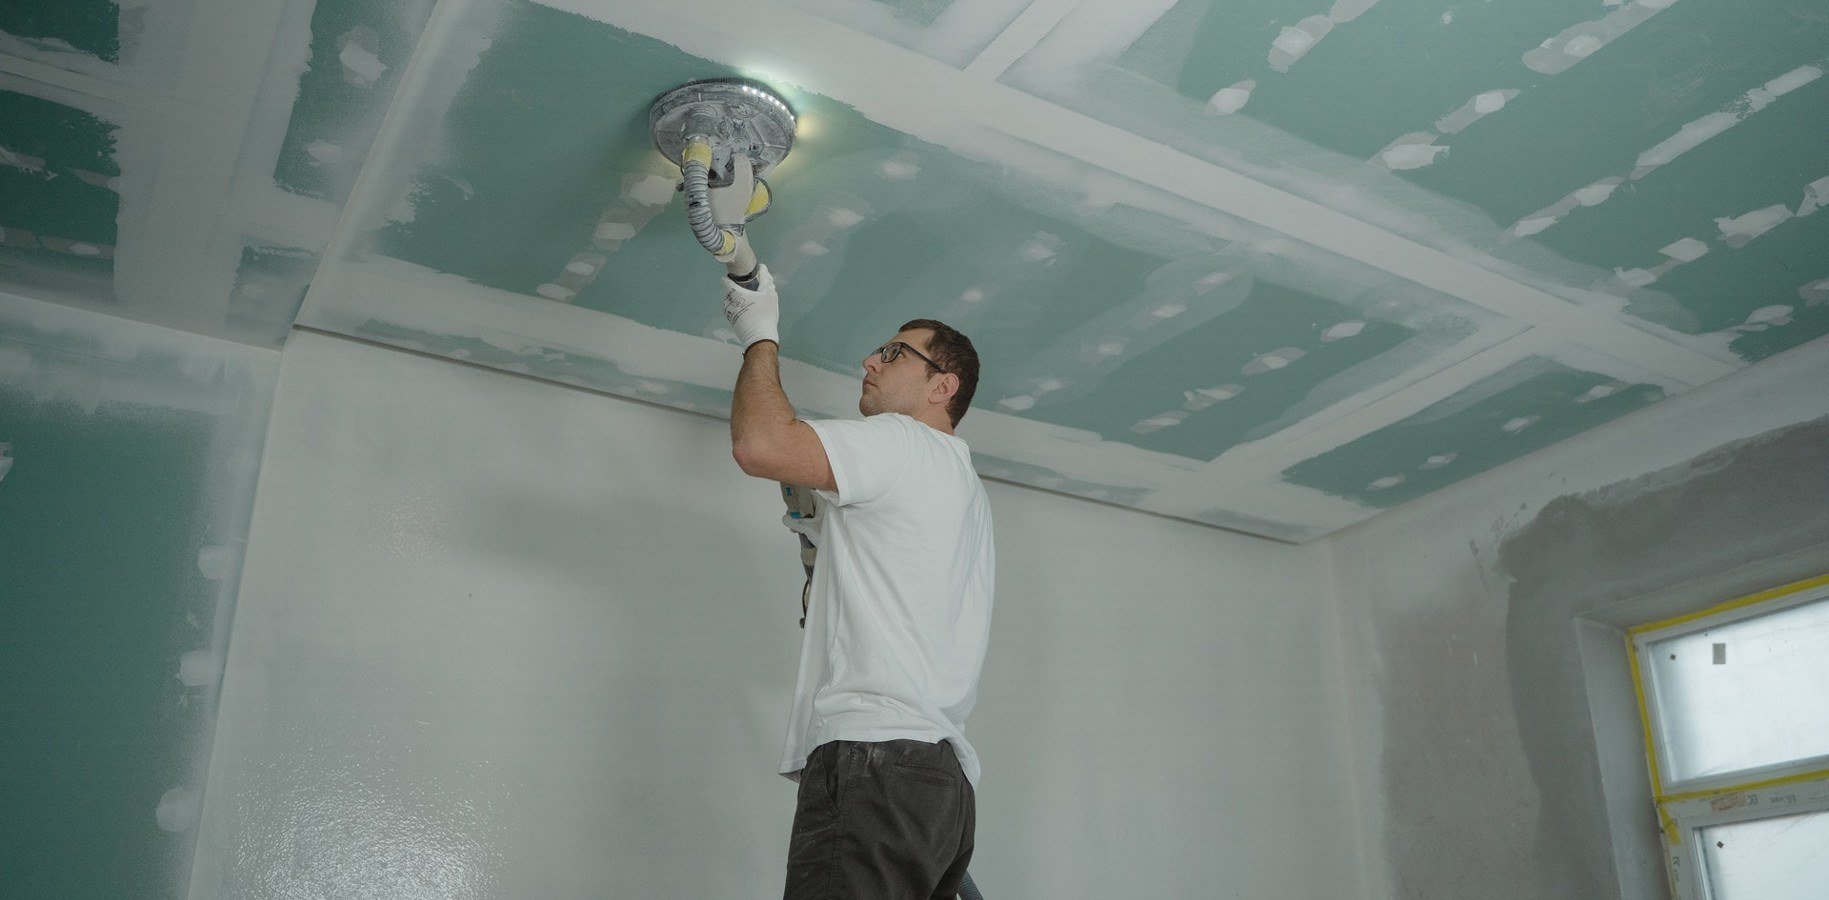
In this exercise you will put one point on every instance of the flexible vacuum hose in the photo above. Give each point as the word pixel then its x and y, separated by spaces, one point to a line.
pixel 695 167
pixel 724 243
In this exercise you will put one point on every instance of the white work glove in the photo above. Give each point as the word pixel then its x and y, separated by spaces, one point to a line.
pixel 756 315
pixel 807 527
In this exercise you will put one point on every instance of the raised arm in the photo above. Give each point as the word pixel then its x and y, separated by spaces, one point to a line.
pixel 766 439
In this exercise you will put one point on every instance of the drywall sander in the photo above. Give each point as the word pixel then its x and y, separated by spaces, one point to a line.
pixel 724 134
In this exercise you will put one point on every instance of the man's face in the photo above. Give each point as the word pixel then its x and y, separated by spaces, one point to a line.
pixel 901 386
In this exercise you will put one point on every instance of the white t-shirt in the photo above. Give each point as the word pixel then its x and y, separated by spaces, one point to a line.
pixel 900 610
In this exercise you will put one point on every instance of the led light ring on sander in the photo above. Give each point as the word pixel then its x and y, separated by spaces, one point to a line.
pixel 732 114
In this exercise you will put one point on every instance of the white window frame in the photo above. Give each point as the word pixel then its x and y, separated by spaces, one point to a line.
pixel 1687 806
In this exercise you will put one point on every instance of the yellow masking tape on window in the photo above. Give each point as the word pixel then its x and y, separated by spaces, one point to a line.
pixel 1736 603
pixel 1799 778
pixel 1664 800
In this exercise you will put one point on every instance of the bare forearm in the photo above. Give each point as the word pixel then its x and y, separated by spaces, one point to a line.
pixel 759 406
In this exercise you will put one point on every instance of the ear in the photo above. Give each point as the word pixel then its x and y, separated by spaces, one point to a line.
pixel 943 390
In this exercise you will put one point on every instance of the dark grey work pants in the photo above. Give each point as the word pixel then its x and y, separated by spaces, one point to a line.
pixel 890 820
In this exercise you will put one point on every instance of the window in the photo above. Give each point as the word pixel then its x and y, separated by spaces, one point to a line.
pixel 1734 701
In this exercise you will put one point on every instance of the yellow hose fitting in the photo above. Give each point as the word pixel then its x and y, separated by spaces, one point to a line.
pixel 758 200
pixel 696 151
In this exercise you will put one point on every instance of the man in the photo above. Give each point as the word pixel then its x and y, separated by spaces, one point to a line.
pixel 899 610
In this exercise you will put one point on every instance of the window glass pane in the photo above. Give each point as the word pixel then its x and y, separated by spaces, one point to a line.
pixel 1786 858
pixel 1744 695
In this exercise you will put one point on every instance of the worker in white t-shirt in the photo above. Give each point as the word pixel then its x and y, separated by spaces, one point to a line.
pixel 898 614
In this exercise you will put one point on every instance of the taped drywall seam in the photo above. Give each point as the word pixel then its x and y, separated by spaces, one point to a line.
pixel 645 194
pixel 1577 42
pixel 103 112
pixel 1686 139
pixel 1736 232
pixel 452 43
pixel 1291 44
pixel 418 298
pixel 1553 57
pixel 1035 22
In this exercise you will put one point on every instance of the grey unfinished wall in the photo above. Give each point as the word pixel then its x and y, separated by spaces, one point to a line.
pixel 1487 776
pixel 502 638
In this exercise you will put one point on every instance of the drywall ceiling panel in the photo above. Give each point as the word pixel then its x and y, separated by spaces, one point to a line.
pixel 1272 266
pixel 1659 157
pixel 91 27
pixel 58 197
pixel 123 127
pixel 955 32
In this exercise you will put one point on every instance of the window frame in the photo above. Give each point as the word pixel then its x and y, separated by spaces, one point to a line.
pixel 1686 807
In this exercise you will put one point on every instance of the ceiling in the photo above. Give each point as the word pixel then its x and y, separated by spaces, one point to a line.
pixel 1268 265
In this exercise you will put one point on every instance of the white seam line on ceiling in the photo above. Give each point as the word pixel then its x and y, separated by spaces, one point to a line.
pixel 1690 136
pixel 418 93
pixel 1554 56
pixel 952 111
pixel 1021 36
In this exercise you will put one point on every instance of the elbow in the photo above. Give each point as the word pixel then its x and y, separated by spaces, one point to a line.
pixel 749 457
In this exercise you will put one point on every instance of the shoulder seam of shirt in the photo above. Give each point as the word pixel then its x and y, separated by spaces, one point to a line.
pixel 907 459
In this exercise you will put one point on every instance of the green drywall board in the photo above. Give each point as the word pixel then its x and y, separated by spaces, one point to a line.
pixel 947 234
pixel 92 26
pixel 1350 94
pixel 1471 426
pixel 1719 290
pixel 1767 159
pixel 526 171
pixel 523 182
pixel 1394 69
pixel 1806 324
pixel 66 138
pixel 57 206
pixel 1595 119
pixel 100 522
pixel 55 200
pixel 341 107
pixel 870 228
pixel 1772 270
pixel 1215 353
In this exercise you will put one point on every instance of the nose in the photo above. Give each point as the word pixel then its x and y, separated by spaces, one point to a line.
pixel 873 363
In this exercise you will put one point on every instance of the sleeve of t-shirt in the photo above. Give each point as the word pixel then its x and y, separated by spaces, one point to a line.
pixel 867 456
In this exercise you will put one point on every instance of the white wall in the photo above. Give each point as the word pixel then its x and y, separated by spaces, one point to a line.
pixel 1488 617
pixel 498 637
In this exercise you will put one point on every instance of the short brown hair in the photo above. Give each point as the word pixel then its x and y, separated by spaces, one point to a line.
pixel 954 354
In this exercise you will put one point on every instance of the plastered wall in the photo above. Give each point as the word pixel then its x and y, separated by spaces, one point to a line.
pixel 1485 773
pixel 502 638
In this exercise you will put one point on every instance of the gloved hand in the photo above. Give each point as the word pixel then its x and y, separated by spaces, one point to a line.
pixel 755 315
pixel 807 528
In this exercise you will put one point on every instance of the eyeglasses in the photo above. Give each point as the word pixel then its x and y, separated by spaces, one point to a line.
pixel 892 351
